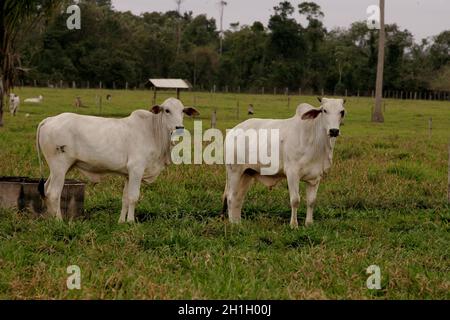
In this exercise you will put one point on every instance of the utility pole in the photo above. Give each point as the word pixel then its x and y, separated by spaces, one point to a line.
pixel 222 6
pixel 377 115
pixel 178 3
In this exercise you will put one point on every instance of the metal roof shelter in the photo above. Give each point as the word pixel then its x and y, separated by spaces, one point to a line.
pixel 177 84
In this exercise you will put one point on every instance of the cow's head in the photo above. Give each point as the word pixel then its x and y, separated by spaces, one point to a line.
pixel 332 113
pixel 172 110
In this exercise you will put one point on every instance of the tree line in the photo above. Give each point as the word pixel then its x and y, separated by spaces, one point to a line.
pixel 120 47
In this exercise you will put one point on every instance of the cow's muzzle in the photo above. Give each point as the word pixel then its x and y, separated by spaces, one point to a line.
pixel 179 131
pixel 334 133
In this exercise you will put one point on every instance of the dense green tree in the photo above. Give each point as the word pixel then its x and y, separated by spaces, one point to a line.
pixel 118 47
pixel 287 48
pixel 16 18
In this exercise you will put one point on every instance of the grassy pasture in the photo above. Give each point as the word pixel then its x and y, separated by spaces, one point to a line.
pixel 383 203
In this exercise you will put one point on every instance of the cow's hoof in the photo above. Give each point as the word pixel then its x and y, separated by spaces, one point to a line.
pixel 308 223
pixel 235 220
pixel 294 225
pixel 122 221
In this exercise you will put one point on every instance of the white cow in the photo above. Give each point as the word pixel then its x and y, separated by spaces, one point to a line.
pixel 14 102
pixel 137 147
pixel 306 143
pixel 34 100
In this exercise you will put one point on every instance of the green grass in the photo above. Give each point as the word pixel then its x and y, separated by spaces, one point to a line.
pixel 383 203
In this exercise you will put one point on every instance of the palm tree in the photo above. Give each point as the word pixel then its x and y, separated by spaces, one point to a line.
pixel 377 115
pixel 16 16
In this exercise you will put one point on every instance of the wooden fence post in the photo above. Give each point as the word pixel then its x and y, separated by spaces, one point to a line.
pixel 214 119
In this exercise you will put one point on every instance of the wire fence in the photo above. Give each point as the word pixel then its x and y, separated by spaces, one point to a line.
pixel 388 94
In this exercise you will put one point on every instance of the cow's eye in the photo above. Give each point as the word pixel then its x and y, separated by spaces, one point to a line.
pixel 324 111
pixel 167 111
pixel 342 113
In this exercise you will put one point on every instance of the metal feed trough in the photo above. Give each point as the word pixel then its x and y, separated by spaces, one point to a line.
pixel 21 193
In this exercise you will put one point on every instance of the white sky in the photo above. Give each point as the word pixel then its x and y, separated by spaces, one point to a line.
pixel 423 18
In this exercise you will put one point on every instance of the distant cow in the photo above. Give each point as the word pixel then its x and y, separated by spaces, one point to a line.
pixel 78 103
pixel 250 110
pixel 34 100
pixel 137 147
pixel 14 102
pixel 306 143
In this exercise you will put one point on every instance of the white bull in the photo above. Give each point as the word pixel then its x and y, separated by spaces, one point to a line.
pixel 14 102
pixel 137 147
pixel 34 100
pixel 306 142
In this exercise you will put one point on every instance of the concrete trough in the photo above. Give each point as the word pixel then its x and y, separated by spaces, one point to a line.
pixel 21 193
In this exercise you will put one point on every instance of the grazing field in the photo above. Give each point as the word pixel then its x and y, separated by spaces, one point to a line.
pixel 383 203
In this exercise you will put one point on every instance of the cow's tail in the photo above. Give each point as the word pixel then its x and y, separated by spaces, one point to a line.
pixel 41 185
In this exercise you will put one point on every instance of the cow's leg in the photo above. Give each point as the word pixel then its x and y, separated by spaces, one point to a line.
pixel 47 184
pixel 232 185
pixel 134 185
pixel 123 213
pixel 238 187
pixel 55 184
pixel 54 191
pixel 311 195
pixel 293 181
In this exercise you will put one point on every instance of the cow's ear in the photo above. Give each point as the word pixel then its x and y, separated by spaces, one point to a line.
pixel 311 114
pixel 191 111
pixel 156 109
pixel 320 99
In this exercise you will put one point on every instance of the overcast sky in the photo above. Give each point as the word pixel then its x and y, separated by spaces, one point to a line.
pixel 423 18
